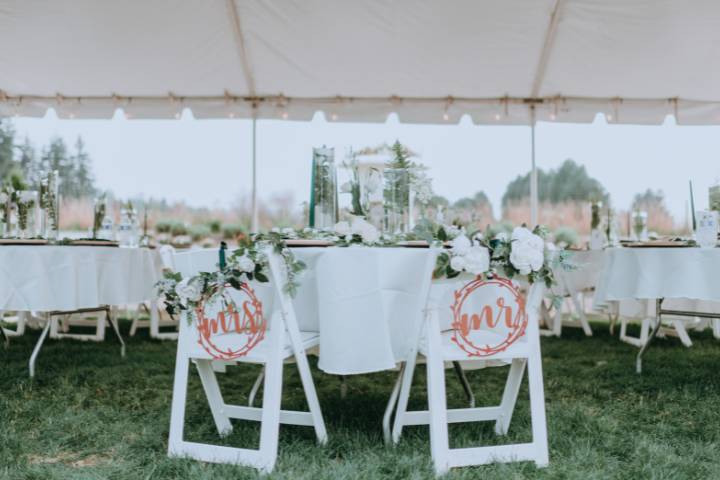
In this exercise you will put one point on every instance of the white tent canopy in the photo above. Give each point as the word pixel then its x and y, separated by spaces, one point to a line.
pixel 637 61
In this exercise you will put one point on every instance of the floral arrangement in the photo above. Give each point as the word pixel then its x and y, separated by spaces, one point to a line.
pixel 249 262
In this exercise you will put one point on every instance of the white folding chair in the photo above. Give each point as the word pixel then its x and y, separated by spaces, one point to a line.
pixel 157 316
pixel 574 300
pixel 513 339
pixel 257 337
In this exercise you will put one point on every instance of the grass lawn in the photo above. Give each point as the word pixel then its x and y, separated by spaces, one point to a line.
pixel 90 414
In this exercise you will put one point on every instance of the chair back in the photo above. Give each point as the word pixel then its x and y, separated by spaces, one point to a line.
pixel 233 323
pixel 485 317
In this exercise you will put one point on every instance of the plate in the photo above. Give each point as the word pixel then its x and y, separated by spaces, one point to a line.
pixel 21 241
pixel 302 242
pixel 657 244
pixel 94 243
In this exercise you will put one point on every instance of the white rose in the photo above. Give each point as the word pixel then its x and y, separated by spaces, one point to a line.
pixel 188 290
pixel 452 231
pixel 370 234
pixel 342 228
pixel 461 245
pixel 246 264
pixel 526 258
pixel 458 263
pixel 346 187
pixel 477 260
pixel 522 234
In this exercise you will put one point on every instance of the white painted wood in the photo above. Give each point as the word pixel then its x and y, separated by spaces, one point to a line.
pixel 214 396
pixel 510 394
pixel 283 342
pixel 438 416
pixel 439 442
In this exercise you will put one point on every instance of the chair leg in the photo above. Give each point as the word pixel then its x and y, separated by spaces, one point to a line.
pixel 256 387
pixel 392 402
pixel 465 384
pixel 177 412
pixel 214 396
pixel 579 308
pixel 437 401
pixel 510 394
pixel 682 333
pixel 311 395
pixel 272 396
pixel 407 378
pixel 537 408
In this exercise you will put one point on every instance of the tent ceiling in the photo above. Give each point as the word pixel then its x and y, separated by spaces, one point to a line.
pixel 634 60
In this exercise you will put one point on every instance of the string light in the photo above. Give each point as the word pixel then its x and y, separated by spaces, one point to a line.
pixel 333 117
pixel 231 115
pixel 609 117
pixel 284 115
pixel 497 116
pixel 177 115
pixel 446 117
pixel 553 116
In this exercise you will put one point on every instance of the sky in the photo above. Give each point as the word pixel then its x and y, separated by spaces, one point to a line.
pixel 208 162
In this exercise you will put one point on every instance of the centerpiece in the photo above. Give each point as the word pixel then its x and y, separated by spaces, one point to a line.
pixel 50 206
pixel 26 202
pixel 323 189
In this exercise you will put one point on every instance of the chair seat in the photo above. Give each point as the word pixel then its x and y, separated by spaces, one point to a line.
pixel 258 354
pixel 481 338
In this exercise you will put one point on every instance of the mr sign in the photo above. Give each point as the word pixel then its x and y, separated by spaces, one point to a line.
pixel 488 316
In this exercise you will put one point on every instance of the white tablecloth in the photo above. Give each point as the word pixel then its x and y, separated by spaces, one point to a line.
pixel 45 278
pixel 689 275
pixel 589 265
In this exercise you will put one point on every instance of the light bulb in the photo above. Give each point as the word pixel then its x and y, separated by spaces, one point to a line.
pixel 284 115
pixel 552 116
pixel 497 116
pixel 177 115
pixel 609 117
pixel 446 117
pixel 333 117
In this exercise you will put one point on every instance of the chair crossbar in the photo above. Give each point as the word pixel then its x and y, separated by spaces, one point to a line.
pixel 454 415
pixel 290 417
pixel 463 457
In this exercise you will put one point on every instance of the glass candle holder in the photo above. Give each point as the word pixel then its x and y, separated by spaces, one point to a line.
pixel 27 208
pixel 324 196
pixel 397 200
pixel 50 206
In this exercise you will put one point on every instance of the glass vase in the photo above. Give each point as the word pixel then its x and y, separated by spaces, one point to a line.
pixel 397 200
pixel 128 228
pixel 639 226
pixel 50 206
pixel 323 196
pixel 27 208
pixel 103 225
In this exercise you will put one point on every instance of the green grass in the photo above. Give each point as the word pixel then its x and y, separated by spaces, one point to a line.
pixel 90 414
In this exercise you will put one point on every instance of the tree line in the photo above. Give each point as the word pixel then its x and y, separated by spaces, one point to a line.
pixel 22 165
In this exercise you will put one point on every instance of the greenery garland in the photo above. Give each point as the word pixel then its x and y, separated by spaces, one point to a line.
pixel 249 261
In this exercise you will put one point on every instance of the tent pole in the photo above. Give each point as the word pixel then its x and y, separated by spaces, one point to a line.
pixel 533 173
pixel 254 205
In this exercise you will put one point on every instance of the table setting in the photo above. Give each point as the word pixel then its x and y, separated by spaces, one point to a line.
pixel 56 281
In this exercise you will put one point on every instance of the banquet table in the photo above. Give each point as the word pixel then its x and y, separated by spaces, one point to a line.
pixel 47 278
pixel 686 275
pixel 363 301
